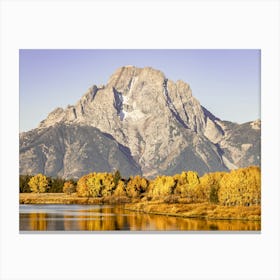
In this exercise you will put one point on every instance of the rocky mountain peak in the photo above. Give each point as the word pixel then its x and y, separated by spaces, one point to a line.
pixel 158 123
pixel 138 106
pixel 131 93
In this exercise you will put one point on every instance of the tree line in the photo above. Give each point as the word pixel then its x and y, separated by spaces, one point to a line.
pixel 237 187
pixel 42 183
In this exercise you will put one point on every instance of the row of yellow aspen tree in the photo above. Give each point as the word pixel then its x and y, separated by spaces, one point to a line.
pixel 237 187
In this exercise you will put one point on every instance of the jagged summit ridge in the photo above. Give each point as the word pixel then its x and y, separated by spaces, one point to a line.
pixel 159 121
pixel 132 91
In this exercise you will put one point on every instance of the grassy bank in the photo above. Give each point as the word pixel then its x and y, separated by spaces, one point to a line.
pixel 62 198
pixel 180 209
pixel 198 210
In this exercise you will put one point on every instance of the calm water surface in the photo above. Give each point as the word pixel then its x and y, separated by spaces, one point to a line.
pixel 107 218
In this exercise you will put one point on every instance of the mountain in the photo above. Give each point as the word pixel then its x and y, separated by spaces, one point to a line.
pixel 140 122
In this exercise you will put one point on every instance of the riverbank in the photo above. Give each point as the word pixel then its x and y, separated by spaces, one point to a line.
pixel 198 210
pixel 186 210
pixel 62 198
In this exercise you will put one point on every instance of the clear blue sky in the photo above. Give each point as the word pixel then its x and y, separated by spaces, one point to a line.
pixel 226 82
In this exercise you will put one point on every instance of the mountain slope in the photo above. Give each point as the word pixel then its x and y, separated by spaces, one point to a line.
pixel 71 151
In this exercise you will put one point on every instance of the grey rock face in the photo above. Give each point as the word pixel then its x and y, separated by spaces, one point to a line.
pixel 71 151
pixel 242 143
pixel 160 123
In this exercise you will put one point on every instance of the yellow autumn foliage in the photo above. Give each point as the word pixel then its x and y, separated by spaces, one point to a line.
pixel 69 187
pixel 82 188
pixel 120 190
pixel 96 185
pixel 162 186
pixel 136 186
pixel 38 183
pixel 209 186
pixel 241 187
pixel 187 183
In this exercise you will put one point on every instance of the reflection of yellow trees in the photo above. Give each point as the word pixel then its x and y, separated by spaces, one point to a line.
pixel 237 225
pixel 139 222
pixel 116 218
pixel 121 221
pixel 87 222
pixel 135 222
pixel 68 222
pixel 99 219
pixel 172 223
pixel 38 221
pixel 165 223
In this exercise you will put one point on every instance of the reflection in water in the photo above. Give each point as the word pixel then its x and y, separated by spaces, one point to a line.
pixel 38 221
pixel 100 218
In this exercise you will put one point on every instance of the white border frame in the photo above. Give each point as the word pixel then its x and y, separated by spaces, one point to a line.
pixel 139 24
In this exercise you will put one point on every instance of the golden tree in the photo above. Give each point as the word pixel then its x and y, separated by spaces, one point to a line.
pixel 208 187
pixel 187 183
pixel 136 186
pixel 38 183
pixel 96 185
pixel 162 186
pixel 82 188
pixel 69 187
pixel 109 183
pixel 241 187
pixel 120 190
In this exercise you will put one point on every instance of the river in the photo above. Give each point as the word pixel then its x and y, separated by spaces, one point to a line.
pixel 115 218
